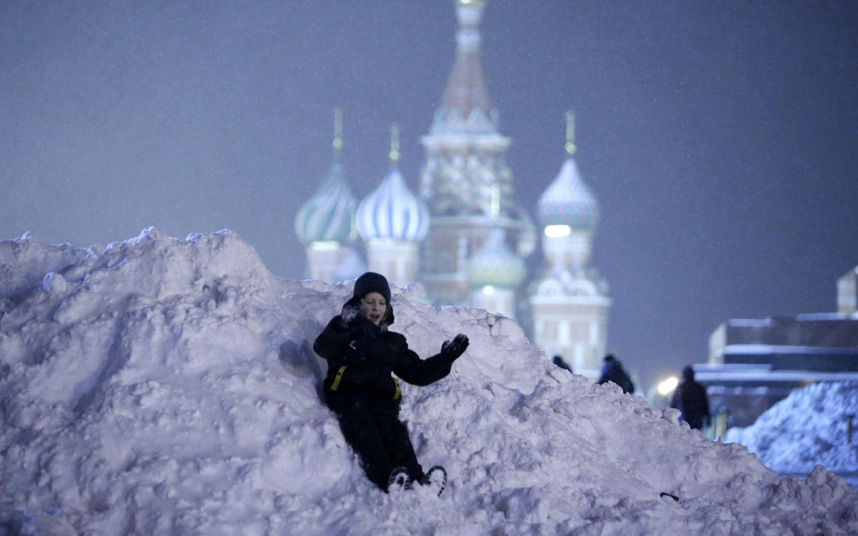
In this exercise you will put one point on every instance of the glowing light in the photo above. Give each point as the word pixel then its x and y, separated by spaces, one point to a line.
pixel 488 290
pixel 557 231
pixel 667 386
pixel 325 245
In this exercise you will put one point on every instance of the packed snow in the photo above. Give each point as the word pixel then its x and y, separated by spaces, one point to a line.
pixel 167 386
pixel 816 425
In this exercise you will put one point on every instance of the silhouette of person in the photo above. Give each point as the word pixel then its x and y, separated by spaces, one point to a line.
pixel 558 360
pixel 612 371
pixel 691 400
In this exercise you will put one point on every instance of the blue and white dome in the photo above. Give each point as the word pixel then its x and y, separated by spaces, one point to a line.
pixel 329 214
pixel 568 201
pixel 495 265
pixel 391 211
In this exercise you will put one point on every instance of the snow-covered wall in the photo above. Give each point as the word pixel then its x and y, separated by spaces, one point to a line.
pixel 165 386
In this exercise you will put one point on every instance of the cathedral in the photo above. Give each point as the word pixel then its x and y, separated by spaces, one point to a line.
pixel 462 235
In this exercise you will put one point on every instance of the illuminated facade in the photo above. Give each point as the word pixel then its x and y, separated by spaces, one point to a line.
pixel 465 179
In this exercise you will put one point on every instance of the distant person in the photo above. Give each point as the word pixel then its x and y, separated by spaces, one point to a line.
pixel 612 371
pixel 362 352
pixel 558 360
pixel 691 400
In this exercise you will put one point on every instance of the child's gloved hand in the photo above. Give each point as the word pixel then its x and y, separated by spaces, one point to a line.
pixel 455 348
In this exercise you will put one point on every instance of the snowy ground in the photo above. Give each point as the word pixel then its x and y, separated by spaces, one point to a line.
pixel 810 427
pixel 164 386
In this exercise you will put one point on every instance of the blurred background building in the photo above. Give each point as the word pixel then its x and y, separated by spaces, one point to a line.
pixel 755 363
pixel 462 236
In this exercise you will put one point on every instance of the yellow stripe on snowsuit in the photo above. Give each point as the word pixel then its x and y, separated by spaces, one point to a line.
pixel 398 390
pixel 338 378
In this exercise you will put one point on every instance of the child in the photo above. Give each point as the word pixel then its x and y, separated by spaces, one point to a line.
pixel 359 388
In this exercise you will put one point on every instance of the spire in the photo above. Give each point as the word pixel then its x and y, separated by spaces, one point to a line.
pixel 567 200
pixel 394 145
pixel 338 133
pixel 466 86
pixel 570 133
pixel 328 216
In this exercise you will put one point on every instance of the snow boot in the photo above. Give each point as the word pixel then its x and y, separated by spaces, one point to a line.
pixel 398 480
pixel 435 480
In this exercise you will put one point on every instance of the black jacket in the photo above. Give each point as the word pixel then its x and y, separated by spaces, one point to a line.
pixel 612 371
pixel 361 357
pixel 690 398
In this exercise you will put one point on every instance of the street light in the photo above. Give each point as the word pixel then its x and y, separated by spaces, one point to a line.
pixel 665 387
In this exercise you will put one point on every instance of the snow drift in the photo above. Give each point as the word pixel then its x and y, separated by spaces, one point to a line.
pixel 164 386
pixel 810 427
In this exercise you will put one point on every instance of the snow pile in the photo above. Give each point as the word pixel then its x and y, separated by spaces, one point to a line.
pixel 810 427
pixel 163 386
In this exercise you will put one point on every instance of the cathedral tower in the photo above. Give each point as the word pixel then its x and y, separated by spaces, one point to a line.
pixel 325 223
pixel 569 302
pixel 465 180
pixel 392 222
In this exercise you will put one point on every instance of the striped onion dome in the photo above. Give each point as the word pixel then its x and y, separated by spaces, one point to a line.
pixel 392 211
pixel 494 264
pixel 329 214
pixel 568 201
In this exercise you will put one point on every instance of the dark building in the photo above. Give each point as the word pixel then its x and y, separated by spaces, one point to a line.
pixel 753 364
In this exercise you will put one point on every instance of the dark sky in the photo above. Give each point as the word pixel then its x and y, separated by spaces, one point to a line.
pixel 720 137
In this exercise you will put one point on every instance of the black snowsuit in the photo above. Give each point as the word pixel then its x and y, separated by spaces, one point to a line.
pixel 359 388
pixel 691 400
pixel 612 371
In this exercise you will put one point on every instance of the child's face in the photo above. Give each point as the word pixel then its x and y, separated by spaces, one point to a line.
pixel 373 306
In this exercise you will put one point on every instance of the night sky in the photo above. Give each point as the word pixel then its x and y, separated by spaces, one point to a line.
pixel 720 137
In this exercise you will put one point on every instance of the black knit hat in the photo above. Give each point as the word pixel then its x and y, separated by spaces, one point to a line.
pixel 372 282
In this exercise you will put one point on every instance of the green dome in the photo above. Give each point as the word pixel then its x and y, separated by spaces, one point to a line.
pixel 494 264
pixel 329 214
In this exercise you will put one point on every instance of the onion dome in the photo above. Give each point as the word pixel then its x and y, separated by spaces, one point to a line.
pixel 391 211
pixel 329 214
pixel 567 200
pixel 494 264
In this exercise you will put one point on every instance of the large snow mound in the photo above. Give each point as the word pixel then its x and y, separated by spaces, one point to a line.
pixel 816 425
pixel 166 386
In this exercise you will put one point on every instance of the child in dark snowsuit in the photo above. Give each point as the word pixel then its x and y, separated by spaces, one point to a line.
pixel 361 354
